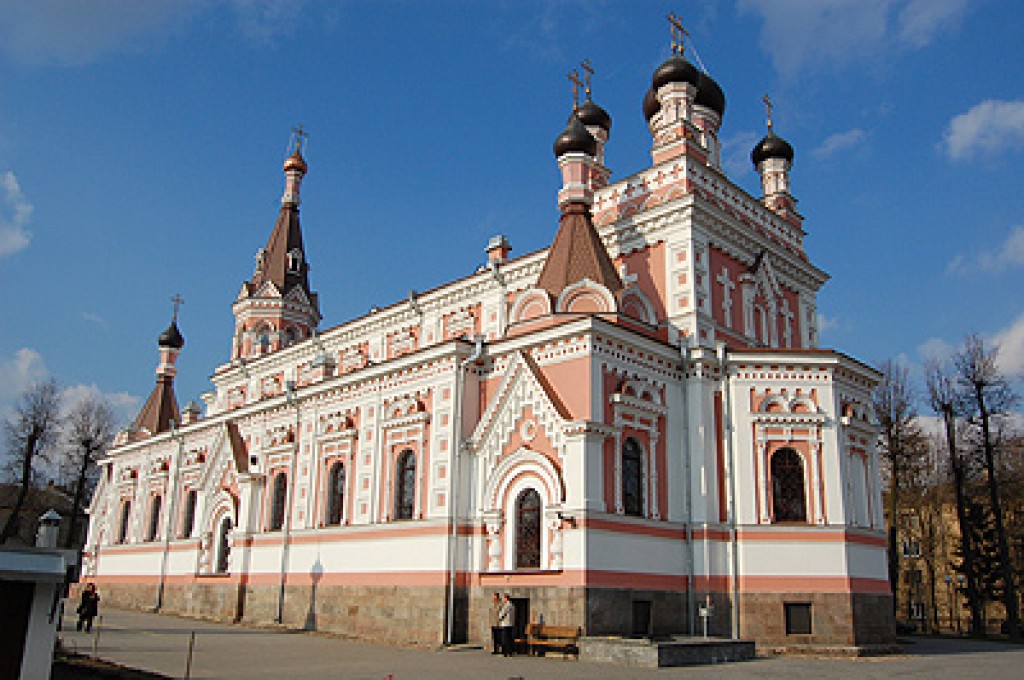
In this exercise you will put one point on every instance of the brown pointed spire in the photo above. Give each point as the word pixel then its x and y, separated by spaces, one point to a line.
pixel 283 260
pixel 162 405
pixel 577 253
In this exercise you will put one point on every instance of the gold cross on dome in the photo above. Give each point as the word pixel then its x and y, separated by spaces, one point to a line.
pixel 768 106
pixel 574 76
pixel 300 135
pixel 178 302
pixel 588 71
pixel 678 33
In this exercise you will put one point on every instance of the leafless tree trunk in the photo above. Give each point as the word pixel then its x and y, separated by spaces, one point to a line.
pixel 986 392
pixel 89 431
pixel 29 433
pixel 894 408
pixel 942 394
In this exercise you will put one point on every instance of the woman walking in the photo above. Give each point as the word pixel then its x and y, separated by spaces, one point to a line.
pixel 89 607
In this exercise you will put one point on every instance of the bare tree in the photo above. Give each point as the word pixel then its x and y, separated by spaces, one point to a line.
pixel 88 432
pixel 942 396
pixel 901 443
pixel 984 393
pixel 29 432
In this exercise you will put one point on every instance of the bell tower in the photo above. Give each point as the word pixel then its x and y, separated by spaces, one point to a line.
pixel 275 308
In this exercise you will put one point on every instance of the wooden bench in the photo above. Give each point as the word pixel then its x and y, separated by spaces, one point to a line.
pixel 541 637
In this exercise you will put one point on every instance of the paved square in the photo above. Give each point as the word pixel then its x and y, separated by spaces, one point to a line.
pixel 224 652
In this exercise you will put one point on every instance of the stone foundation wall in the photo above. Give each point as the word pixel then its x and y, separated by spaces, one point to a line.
pixel 839 620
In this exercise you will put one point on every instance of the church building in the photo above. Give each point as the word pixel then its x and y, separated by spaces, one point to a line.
pixel 633 431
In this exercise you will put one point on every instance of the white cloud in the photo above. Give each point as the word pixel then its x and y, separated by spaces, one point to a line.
pixel 15 214
pixel 20 371
pixel 839 141
pixel 76 32
pixel 125 406
pixel 808 34
pixel 72 32
pixel 827 323
pixel 1008 255
pixel 1010 342
pixel 935 349
pixel 27 366
pixel 986 129
pixel 736 153
pixel 798 33
pixel 920 21
pixel 96 319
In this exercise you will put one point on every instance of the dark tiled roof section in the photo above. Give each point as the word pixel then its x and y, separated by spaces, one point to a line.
pixel 160 409
pixel 238 449
pixel 38 500
pixel 577 253
pixel 286 237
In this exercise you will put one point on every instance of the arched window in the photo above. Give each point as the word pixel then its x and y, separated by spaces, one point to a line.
pixel 223 545
pixel 405 485
pixel 788 487
pixel 528 530
pixel 336 493
pixel 154 517
pixel 189 520
pixel 632 478
pixel 126 513
pixel 277 503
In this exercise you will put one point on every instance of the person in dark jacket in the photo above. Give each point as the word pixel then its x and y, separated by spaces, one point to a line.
pixel 89 607
pixel 495 629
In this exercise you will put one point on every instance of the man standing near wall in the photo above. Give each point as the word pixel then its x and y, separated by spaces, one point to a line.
pixel 493 616
pixel 506 622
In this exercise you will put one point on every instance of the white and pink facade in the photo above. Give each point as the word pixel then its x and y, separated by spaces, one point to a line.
pixel 633 431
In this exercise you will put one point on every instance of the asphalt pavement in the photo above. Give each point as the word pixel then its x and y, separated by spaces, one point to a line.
pixel 160 643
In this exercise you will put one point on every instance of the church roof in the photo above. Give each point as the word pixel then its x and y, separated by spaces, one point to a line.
pixel 275 265
pixel 577 253
pixel 160 409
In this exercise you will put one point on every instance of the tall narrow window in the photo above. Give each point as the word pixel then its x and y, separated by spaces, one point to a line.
pixel 223 545
pixel 528 530
pixel 788 504
pixel 336 493
pixel 189 520
pixel 126 513
pixel 154 518
pixel 632 478
pixel 277 504
pixel 405 485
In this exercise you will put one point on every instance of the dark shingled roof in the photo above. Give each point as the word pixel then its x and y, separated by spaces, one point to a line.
pixel 160 409
pixel 577 253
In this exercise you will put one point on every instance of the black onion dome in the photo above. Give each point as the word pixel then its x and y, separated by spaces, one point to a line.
pixel 575 138
pixel 709 94
pixel 651 104
pixel 171 337
pixel 592 114
pixel 772 146
pixel 675 70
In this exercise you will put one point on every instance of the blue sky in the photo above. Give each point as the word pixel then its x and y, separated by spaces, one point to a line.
pixel 141 146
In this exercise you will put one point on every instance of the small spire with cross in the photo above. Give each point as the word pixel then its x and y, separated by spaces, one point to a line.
pixel 678 33
pixel 299 136
pixel 177 301
pixel 588 71
pixel 574 77
pixel 768 109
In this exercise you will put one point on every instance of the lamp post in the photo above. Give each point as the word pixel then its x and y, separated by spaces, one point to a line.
pixel 949 593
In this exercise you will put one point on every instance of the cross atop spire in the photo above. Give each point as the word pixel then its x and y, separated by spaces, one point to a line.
pixel 298 140
pixel 768 106
pixel 178 301
pixel 574 77
pixel 588 71
pixel 678 33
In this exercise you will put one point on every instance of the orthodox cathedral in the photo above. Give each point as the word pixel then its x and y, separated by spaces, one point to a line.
pixel 633 431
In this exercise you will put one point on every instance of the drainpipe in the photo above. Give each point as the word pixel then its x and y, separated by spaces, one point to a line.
pixel 170 516
pixel 453 485
pixel 289 396
pixel 723 362
pixel 691 596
